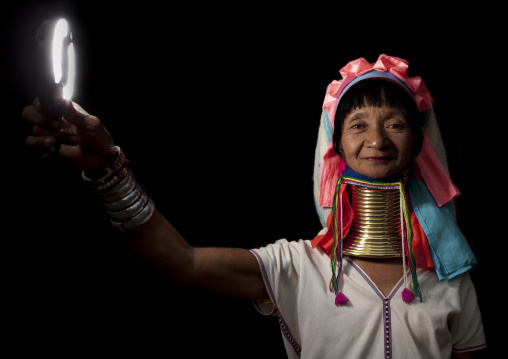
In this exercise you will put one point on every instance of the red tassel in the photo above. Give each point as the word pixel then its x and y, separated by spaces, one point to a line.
pixel 407 295
pixel 340 299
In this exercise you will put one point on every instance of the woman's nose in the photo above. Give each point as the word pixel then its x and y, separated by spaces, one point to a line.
pixel 376 138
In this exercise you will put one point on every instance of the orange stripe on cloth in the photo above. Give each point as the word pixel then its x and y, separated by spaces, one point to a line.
pixel 325 241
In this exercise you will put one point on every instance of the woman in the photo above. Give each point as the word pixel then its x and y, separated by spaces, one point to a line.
pixel 370 179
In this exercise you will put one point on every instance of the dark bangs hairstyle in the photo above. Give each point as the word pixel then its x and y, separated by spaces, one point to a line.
pixel 378 92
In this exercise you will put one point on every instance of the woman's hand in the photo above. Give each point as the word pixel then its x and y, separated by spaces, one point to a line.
pixel 81 137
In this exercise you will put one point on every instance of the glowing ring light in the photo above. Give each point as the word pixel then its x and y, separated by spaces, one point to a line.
pixel 62 37
pixel 58 68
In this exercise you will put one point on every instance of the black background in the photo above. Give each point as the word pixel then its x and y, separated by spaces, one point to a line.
pixel 217 108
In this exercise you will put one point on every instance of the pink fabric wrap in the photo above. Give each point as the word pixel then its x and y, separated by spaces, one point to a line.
pixel 434 175
pixel 437 180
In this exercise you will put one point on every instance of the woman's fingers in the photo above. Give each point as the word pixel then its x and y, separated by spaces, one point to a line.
pixel 47 137
pixel 33 115
pixel 74 113
pixel 37 141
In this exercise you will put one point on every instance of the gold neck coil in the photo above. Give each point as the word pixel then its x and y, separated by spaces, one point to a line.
pixel 376 228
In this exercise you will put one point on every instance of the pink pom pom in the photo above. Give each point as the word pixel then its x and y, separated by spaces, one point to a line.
pixel 342 167
pixel 407 295
pixel 340 299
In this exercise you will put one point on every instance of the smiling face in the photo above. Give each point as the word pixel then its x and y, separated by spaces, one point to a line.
pixel 376 141
pixel 377 128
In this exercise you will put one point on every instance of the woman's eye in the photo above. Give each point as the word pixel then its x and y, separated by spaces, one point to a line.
pixel 397 125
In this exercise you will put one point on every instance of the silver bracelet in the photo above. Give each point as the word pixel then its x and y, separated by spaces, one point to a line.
pixel 138 220
pixel 127 205
pixel 129 212
pixel 124 202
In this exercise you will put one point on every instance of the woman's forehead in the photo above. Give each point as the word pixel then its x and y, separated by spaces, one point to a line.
pixel 369 110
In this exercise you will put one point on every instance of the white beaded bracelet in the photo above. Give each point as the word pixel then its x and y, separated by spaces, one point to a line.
pixel 110 171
